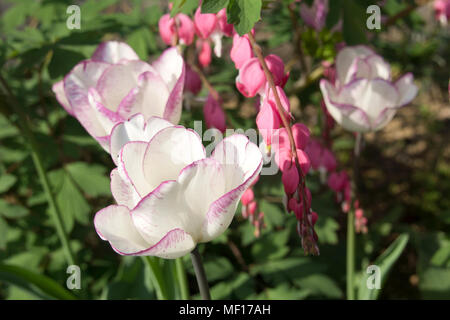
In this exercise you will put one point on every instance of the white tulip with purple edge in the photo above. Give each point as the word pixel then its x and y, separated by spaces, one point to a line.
pixel 364 98
pixel 169 195
pixel 115 84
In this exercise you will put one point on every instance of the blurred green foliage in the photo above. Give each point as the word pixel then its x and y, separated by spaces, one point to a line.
pixel 37 49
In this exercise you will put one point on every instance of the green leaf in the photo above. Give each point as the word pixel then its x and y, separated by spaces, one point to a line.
pixel 218 268
pixel 63 61
pixel 334 13
pixel 243 14
pixel 12 211
pixel 183 6
pixel 19 276
pixel 138 40
pixel 3 234
pixel 385 262
pixel 213 6
pixel 321 285
pixel 354 25
pixel 91 178
pixel 6 182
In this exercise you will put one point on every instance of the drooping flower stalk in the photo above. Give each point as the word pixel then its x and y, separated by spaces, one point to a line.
pixel 306 225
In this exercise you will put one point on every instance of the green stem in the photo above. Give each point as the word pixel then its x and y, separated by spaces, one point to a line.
pixel 157 277
pixel 182 279
pixel 351 222
pixel 37 160
pixel 200 274
pixel 350 255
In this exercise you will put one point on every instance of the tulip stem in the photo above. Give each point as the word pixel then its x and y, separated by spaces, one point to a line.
pixel 182 279
pixel 351 223
pixel 37 160
pixel 200 274
pixel 157 277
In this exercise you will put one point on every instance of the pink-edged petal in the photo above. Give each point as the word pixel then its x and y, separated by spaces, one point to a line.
pixel 168 152
pixel 122 190
pixel 153 95
pixel 113 52
pixel 58 90
pixel 76 86
pixel 346 58
pixel 379 67
pixel 115 225
pixel 130 163
pixel 117 81
pixel 239 175
pixel 158 215
pixel 347 115
pixel 135 129
pixel 406 88
pixel 171 69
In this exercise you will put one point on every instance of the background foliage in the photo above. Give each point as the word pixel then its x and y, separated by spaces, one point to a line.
pixel 406 167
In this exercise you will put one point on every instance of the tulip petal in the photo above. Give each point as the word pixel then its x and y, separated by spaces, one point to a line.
pixel 117 81
pixel 346 58
pixel 162 211
pixel 76 86
pixel 135 129
pixel 152 96
pixel 113 52
pixel 168 152
pixel 58 89
pixel 131 157
pixel 242 163
pixel 406 88
pixel 379 67
pixel 123 190
pixel 114 223
pixel 171 69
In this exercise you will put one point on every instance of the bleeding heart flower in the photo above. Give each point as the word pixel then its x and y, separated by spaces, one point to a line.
pixel 241 51
pixel 251 79
pixel 205 23
pixel 180 25
pixel 321 158
pixel 192 82
pixel 115 84
pixel 364 98
pixel 214 114
pixel 169 195
pixel 204 56
pixel 442 11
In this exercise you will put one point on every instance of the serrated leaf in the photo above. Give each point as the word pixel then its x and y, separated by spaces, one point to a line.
pixel 183 6
pixel 385 262
pixel 321 285
pixel 243 14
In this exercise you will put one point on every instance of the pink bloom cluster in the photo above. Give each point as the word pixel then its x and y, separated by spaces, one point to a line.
pixel 250 210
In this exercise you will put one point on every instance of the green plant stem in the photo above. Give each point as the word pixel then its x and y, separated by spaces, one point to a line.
pixel 350 255
pixel 157 277
pixel 200 274
pixel 37 160
pixel 351 222
pixel 182 279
